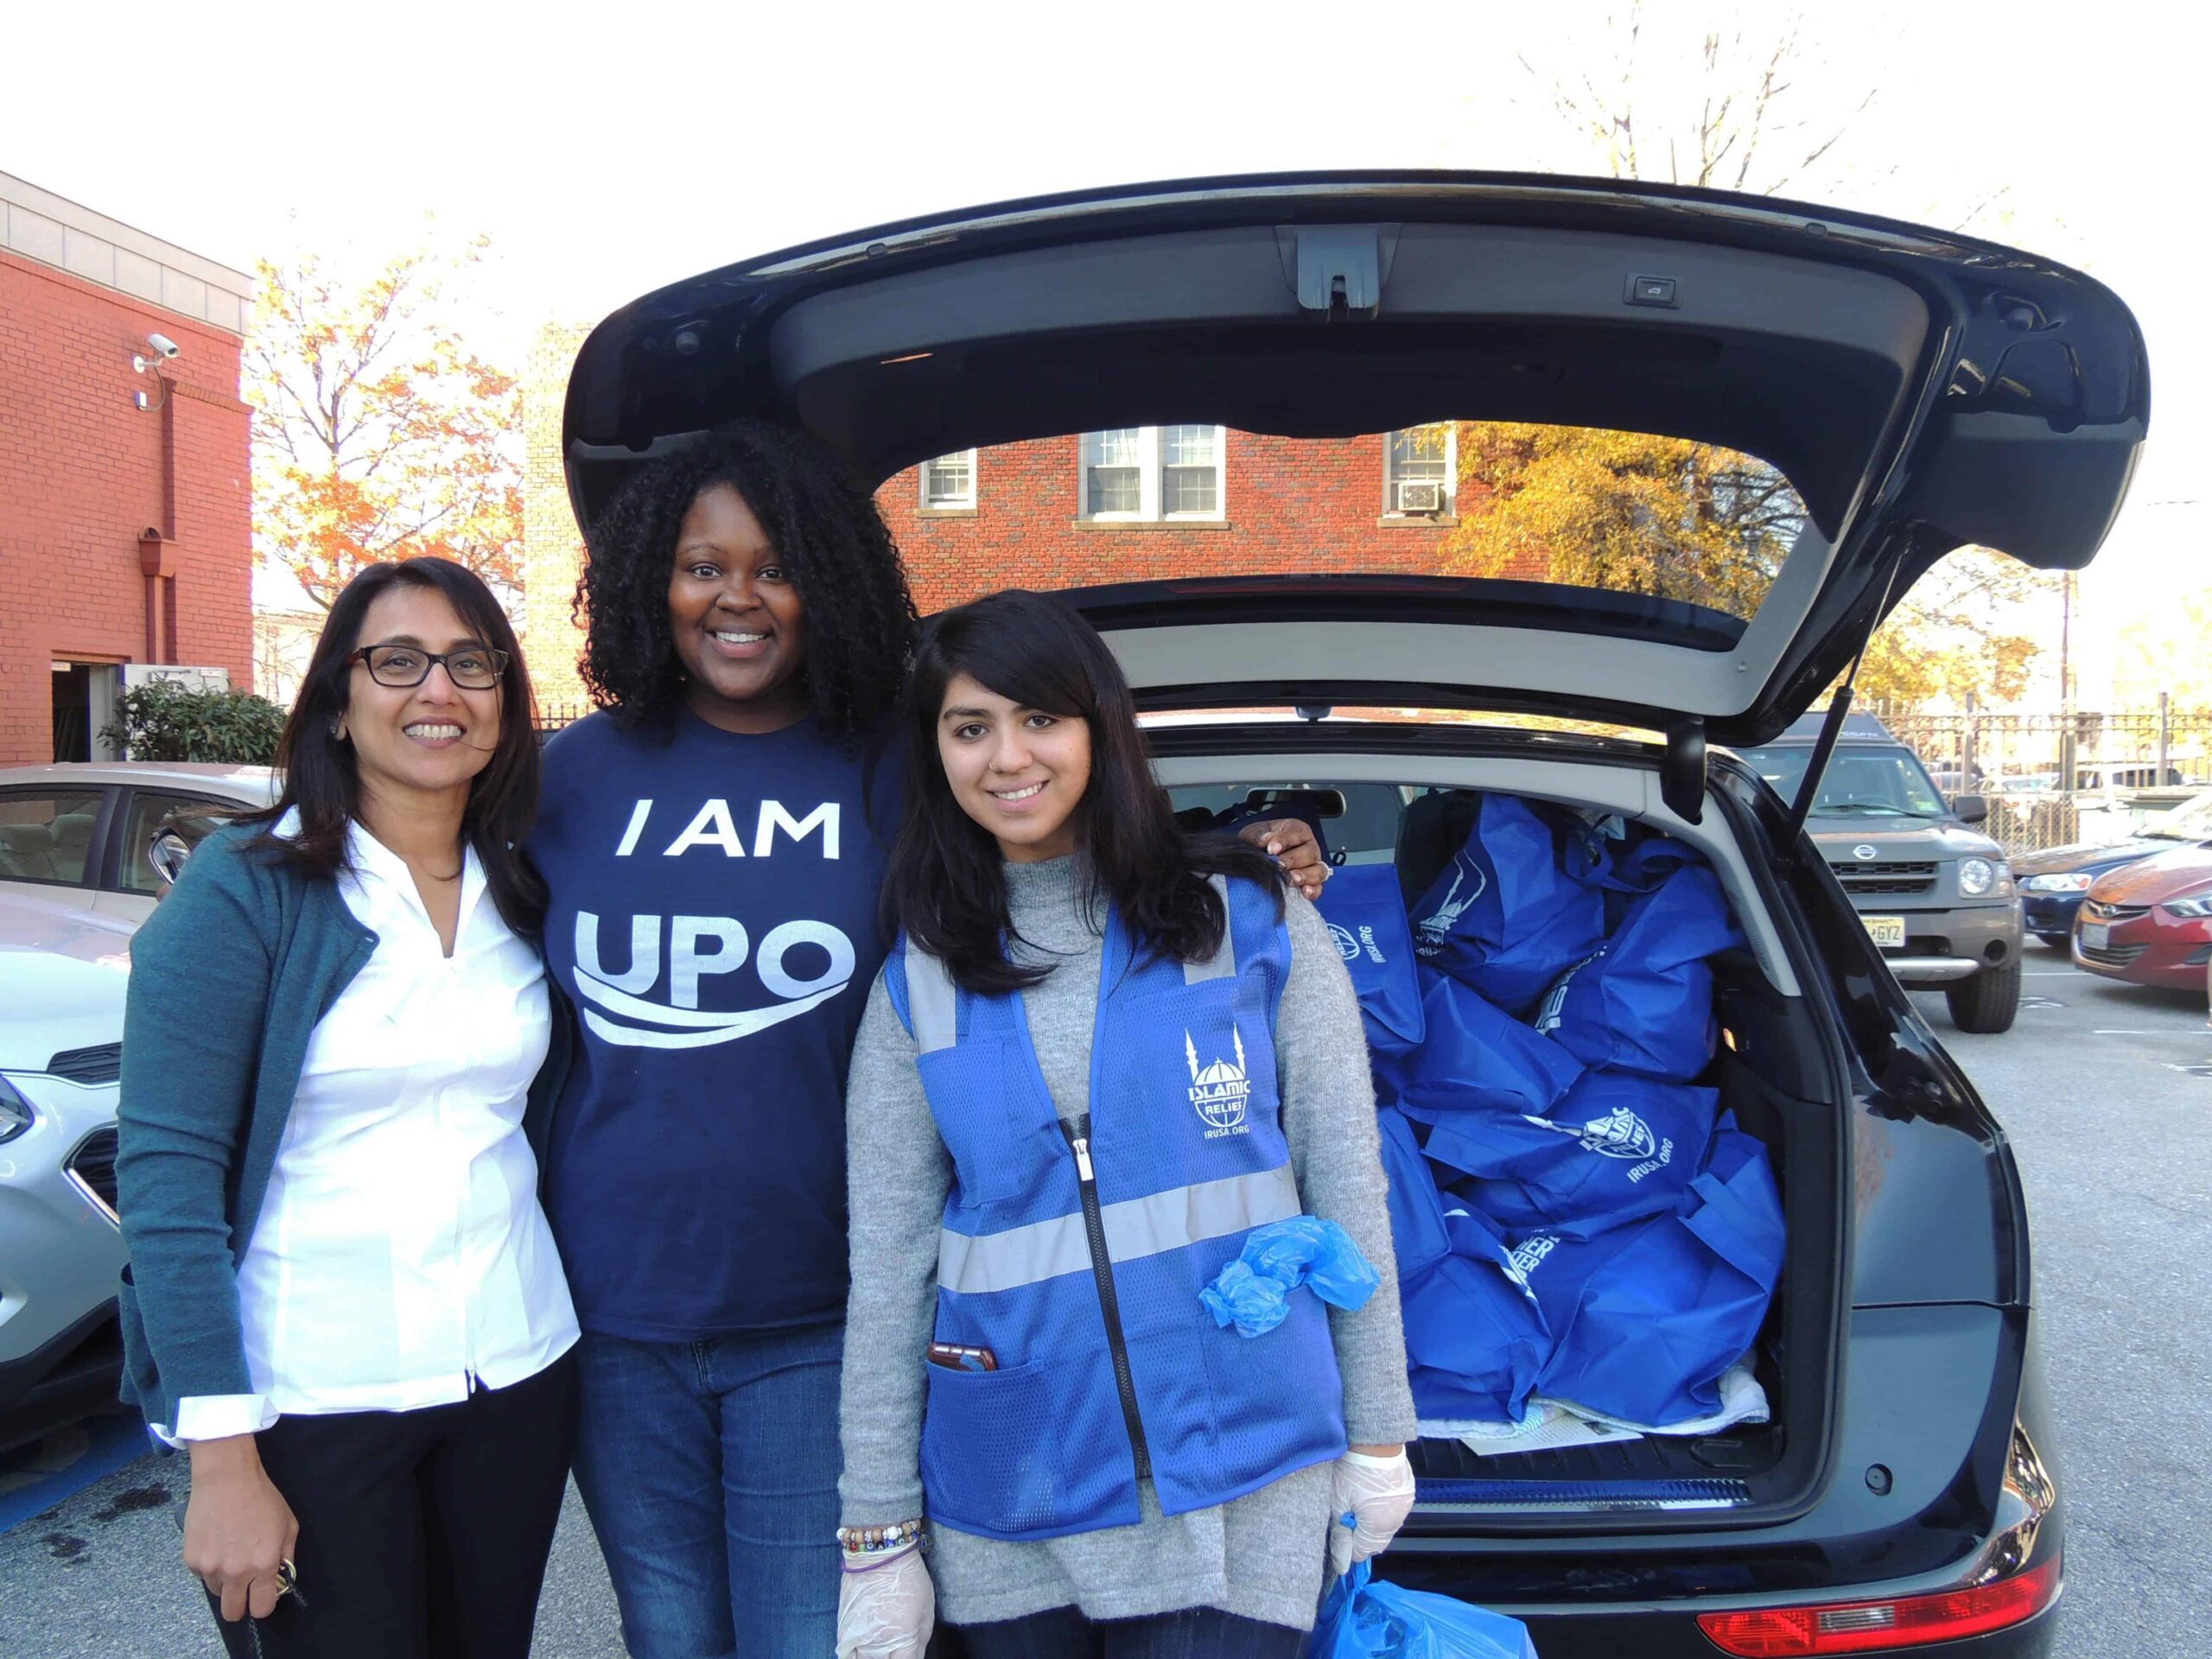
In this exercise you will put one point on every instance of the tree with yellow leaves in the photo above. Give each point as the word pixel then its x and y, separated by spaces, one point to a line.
pixel 377 434
pixel 1623 511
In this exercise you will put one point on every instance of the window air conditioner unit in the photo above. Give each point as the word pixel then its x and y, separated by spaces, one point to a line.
pixel 1419 497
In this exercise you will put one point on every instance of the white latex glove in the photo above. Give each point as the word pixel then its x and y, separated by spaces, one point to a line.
pixel 1378 1494
pixel 887 1609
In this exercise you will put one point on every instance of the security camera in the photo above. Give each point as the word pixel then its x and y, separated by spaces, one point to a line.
pixel 165 345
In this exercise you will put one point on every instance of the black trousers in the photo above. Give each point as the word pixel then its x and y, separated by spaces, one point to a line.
pixel 1194 1633
pixel 422 1534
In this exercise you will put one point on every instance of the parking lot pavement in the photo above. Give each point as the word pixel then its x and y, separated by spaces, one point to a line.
pixel 2106 1093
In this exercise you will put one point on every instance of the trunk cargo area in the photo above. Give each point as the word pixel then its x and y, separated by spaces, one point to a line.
pixel 1770 1069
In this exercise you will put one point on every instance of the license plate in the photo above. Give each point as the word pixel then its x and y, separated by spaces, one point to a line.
pixel 2095 935
pixel 1888 932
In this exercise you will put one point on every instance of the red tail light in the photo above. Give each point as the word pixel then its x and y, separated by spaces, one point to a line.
pixel 1879 1626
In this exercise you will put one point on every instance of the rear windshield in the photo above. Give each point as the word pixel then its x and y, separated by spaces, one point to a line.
pixel 1567 507
pixel 1872 782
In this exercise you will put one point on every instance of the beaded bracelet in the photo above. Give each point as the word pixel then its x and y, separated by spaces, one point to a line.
pixel 868 1541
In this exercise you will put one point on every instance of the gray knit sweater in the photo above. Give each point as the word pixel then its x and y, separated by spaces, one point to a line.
pixel 1263 1555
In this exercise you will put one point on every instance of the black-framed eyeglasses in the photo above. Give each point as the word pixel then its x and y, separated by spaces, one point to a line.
pixel 473 668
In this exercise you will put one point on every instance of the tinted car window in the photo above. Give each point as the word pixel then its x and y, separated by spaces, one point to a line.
pixel 148 811
pixel 1874 781
pixel 1628 513
pixel 46 835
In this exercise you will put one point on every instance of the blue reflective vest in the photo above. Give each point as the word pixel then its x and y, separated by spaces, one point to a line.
pixel 1075 1253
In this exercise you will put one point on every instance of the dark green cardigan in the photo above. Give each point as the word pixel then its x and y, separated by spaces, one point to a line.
pixel 228 979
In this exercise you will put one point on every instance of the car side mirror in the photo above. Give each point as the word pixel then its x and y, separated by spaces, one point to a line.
pixel 167 852
pixel 1970 809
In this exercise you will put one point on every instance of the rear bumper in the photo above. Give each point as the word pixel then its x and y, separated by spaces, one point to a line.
pixel 1674 1635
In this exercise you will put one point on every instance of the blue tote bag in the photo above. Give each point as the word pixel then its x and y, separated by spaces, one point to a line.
pixel 1517 905
pixel 1475 1057
pixel 1645 1318
pixel 1644 1003
pixel 1366 914
pixel 1616 1148
pixel 1417 1234
pixel 1476 1341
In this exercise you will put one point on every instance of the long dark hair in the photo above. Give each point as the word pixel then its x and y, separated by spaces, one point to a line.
pixel 319 778
pixel 946 886
pixel 824 527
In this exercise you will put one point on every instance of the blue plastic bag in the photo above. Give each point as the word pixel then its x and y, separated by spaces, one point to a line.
pixel 1253 1291
pixel 1646 1317
pixel 1516 907
pixel 1615 1148
pixel 1644 1003
pixel 1476 1341
pixel 1364 1618
pixel 1366 915
pixel 1476 1057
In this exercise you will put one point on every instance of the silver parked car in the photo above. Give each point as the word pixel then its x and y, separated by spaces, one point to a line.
pixel 82 848
pixel 78 832
pixel 62 973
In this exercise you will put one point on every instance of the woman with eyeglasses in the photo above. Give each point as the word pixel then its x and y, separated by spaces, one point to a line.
pixel 342 1297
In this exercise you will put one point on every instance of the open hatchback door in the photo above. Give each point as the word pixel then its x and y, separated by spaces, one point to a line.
pixel 1880 393
pixel 1590 451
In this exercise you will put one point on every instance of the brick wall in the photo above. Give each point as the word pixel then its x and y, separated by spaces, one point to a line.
pixel 1289 505
pixel 82 473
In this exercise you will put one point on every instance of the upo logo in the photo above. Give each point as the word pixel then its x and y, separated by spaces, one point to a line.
pixel 1347 946
pixel 1221 1092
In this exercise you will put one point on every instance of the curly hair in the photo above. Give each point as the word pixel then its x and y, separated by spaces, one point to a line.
pixel 861 617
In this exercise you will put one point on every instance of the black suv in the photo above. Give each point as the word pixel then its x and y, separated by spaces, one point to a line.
pixel 1877 394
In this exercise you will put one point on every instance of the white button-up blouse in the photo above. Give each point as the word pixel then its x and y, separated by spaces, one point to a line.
pixel 401 1258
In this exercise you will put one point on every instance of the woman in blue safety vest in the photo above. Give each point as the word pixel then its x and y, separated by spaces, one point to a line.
pixel 1111 1143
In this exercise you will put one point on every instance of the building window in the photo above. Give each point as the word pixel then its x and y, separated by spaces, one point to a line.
pixel 1152 472
pixel 948 482
pixel 1421 472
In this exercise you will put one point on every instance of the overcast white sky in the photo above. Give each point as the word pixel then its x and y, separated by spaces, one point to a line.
pixel 622 147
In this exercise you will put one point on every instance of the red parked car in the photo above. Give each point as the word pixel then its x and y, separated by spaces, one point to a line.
pixel 2150 923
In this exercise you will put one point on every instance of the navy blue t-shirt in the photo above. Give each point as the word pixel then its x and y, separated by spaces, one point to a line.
pixel 714 924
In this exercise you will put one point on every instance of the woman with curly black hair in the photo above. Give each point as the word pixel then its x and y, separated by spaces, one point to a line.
pixel 712 841
pixel 715 844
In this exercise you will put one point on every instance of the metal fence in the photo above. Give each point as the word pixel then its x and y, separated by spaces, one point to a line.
pixel 2055 778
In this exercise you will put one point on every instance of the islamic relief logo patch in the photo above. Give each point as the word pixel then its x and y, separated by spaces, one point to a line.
pixel 1220 1092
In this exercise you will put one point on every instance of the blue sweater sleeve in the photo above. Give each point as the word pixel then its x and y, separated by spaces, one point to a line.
pixel 192 1037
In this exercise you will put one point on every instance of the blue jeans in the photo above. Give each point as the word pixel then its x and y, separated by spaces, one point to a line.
pixel 710 1471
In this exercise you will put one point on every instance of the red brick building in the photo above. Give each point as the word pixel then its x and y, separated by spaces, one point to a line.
pixel 125 530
